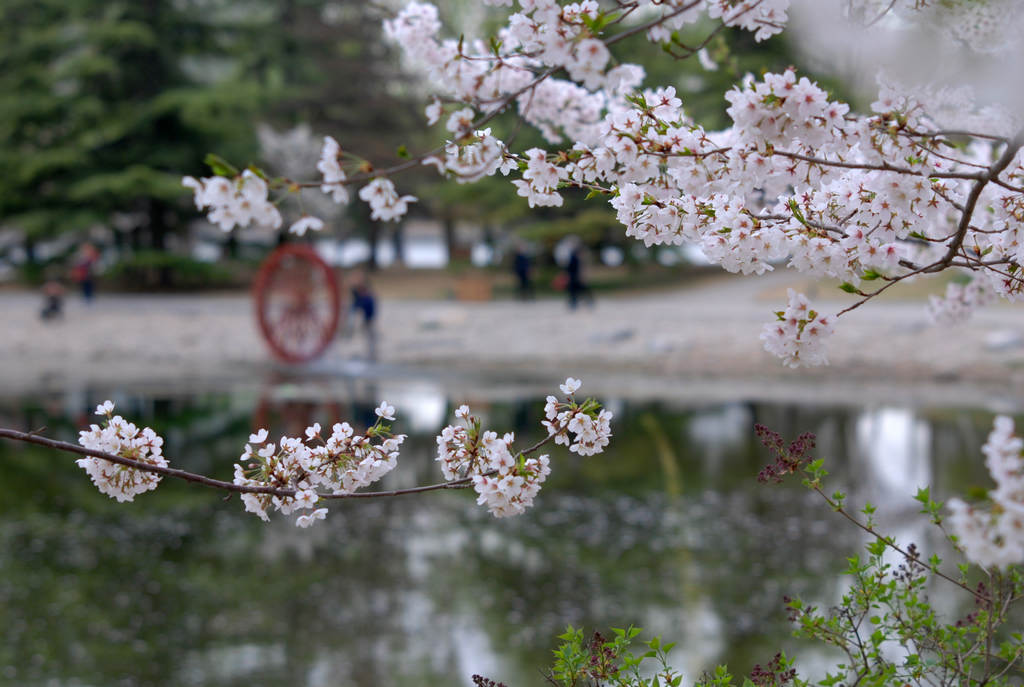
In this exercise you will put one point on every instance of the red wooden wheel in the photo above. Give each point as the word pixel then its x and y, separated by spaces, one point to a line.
pixel 298 305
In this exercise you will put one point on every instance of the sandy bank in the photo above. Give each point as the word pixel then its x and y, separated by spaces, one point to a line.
pixel 698 338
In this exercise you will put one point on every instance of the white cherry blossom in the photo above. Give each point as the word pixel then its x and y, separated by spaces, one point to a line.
pixel 306 223
pixel 121 438
pixel 333 175
pixel 385 203
pixel 385 411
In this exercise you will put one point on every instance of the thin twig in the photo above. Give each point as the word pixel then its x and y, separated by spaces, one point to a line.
pixel 976 176
pixel 892 544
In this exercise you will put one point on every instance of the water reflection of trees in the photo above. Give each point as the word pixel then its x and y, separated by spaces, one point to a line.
pixel 669 530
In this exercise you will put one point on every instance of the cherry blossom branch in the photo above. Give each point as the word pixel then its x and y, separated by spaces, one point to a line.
pixel 972 200
pixel 640 28
pixel 417 160
pixel 881 15
pixel 931 150
pixel 1008 187
pixel 991 266
pixel 196 478
pixel 627 8
pixel 821 226
pixel 951 133
pixel 884 167
pixel 504 101
pixel 33 438
pixel 871 294
pixel 690 52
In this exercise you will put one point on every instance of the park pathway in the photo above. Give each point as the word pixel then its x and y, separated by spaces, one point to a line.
pixel 706 333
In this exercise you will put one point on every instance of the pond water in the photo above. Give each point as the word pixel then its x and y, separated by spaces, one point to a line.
pixel 668 530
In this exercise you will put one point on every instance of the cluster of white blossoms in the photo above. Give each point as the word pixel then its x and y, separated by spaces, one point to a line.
pixel 334 176
pixel 797 179
pixel 474 156
pixel 540 179
pixel 340 463
pixel 994 537
pixel 799 335
pixel 244 199
pixel 959 301
pixel 583 428
pixel 987 27
pixel 119 437
pixel 764 18
pixel 385 203
pixel 506 481
pixel 236 202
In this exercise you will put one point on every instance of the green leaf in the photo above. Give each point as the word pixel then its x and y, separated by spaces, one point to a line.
pixel 219 166
pixel 976 493
pixel 795 209
pixel 876 547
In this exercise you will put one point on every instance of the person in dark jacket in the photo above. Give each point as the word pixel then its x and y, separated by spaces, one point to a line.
pixel 575 285
pixel 364 304
pixel 522 266
pixel 83 269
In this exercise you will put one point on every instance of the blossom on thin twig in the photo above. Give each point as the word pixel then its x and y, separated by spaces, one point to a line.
pixel 122 438
pixel 340 464
pixel 506 481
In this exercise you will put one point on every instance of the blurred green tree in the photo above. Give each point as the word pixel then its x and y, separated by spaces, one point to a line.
pixel 104 105
pixel 319 56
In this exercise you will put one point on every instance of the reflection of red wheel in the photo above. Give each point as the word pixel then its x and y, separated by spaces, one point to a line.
pixel 297 303
pixel 291 417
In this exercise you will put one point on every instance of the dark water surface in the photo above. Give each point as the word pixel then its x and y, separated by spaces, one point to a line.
pixel 668 530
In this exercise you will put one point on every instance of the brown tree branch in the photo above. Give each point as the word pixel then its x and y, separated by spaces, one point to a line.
pixel 972 200
pixel 34 438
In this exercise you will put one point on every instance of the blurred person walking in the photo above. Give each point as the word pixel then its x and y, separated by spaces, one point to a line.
pixel 364 303
pixel 575 284
pixel 83 269
pixel 53 299
pixel 522 265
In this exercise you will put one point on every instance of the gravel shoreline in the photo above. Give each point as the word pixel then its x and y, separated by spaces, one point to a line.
pixel 686 341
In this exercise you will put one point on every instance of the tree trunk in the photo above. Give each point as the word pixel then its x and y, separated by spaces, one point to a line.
pixel 398 241
pixel 30 251
pixel 449 236
pixel 231 246
pixel 373 238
